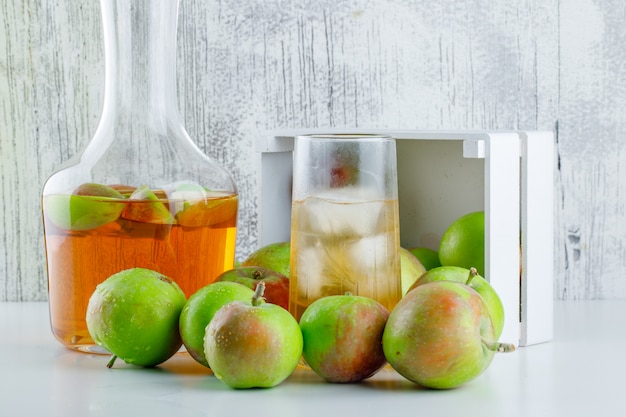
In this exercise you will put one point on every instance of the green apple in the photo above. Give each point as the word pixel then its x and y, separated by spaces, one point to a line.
pixel 427 256
pixel 134 315
pixel 342 337
pixel 440 335
pixel 478 283
pixel 463 243
pixel 88 207
pixel 200 309
pixel 276 284
pixel 253 344
pixel 410 269
pixel 274 256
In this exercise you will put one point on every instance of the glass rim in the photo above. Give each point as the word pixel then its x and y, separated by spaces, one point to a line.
pixel 345 136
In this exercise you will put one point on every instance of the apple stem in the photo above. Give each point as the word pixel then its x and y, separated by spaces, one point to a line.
pixel 257 298
pixel 473 272
pixel 111 361
pixel 499 347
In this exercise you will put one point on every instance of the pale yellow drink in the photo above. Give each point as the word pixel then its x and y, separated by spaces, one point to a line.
pixel 344 244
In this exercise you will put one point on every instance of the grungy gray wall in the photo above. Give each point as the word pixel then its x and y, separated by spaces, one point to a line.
pixel 248 66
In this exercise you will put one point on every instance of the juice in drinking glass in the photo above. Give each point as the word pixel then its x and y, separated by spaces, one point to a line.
pixel 345 235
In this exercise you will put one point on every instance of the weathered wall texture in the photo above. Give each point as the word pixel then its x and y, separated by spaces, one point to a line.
pixel 248 66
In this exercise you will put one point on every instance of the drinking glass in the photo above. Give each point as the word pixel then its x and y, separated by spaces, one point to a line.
pixel 345 234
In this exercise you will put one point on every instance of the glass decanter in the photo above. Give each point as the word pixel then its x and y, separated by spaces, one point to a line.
pixel 141 194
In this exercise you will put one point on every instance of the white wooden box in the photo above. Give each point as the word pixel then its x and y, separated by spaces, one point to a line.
pixel 441 176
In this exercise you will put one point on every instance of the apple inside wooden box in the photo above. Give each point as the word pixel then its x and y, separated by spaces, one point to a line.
pixel 441 176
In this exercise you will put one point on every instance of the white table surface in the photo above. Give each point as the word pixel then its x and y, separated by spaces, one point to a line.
pixel 580 373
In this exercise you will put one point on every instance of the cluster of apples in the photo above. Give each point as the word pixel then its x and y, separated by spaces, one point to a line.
pixel 443 333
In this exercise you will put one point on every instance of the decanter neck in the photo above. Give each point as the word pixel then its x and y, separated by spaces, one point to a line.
pixel 140 59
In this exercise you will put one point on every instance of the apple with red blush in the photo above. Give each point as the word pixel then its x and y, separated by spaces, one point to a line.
pixel 276 284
